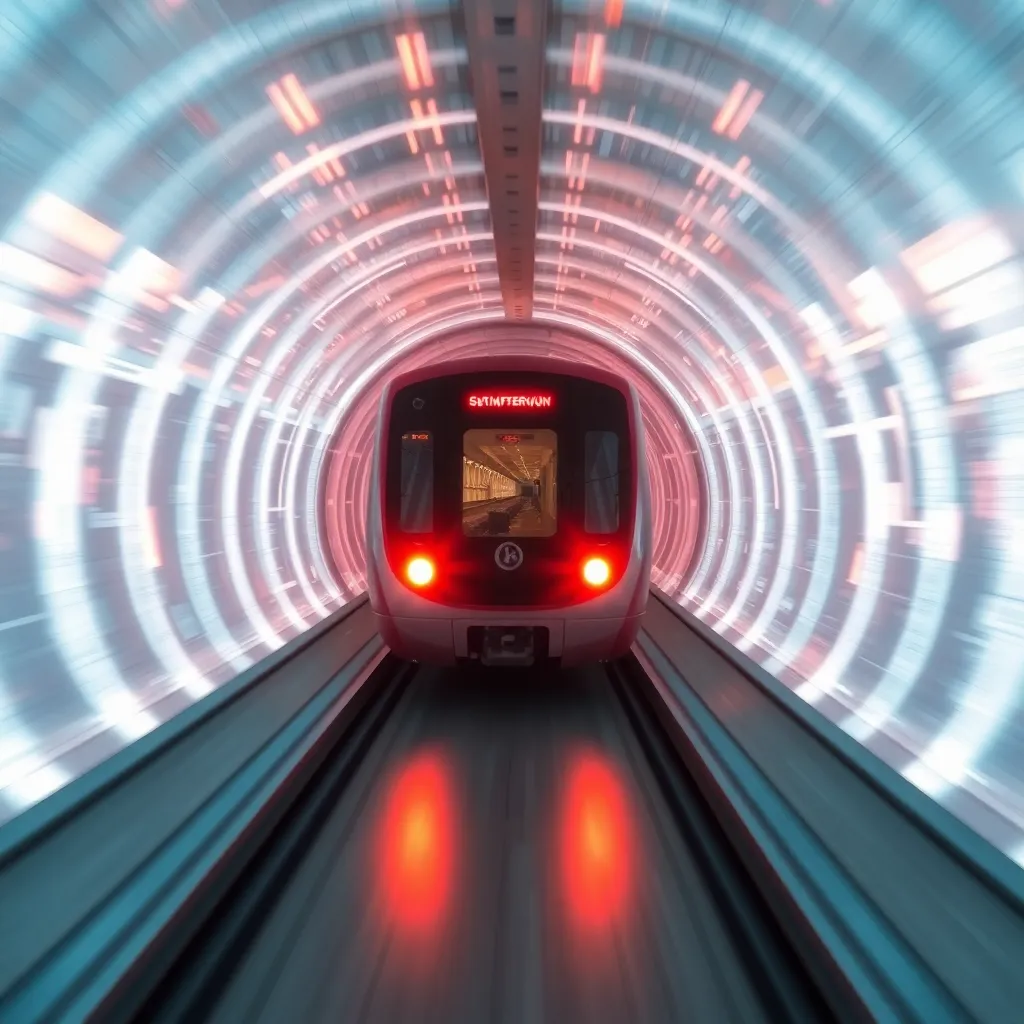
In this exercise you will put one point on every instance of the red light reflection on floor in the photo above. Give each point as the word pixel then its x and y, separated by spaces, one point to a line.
pixel 596 842
pixel 417 861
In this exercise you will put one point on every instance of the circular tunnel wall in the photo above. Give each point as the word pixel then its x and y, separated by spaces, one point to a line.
pixel 796 227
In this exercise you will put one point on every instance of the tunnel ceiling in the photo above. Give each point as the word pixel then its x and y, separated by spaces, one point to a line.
pixel 795 224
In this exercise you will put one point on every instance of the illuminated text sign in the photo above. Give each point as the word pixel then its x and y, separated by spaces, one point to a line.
pixel 503 401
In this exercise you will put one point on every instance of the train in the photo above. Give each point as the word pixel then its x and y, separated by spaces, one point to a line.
pixel 509 516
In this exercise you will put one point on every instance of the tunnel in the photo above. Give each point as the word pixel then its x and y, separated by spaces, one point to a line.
pixel 795 227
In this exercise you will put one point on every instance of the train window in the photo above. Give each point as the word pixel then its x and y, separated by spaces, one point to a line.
pixel 509 482
pixel 601 477
pixel 417 509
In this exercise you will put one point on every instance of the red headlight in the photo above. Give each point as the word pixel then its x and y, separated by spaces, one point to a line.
pixel 596 572
pixel 419 571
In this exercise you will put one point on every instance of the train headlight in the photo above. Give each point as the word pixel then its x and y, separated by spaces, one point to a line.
pixel 596 572
pixel 420 571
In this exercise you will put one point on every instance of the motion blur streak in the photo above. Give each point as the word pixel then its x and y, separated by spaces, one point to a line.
pixel 417 854
pixel 797 228
pixel 597 845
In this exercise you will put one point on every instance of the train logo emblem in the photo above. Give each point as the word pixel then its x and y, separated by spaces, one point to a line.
pixel 509 556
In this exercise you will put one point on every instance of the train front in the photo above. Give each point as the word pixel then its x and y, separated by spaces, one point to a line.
pixel 510 517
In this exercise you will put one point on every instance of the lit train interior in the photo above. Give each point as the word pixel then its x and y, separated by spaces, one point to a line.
pixel 796 227
pixel 513 475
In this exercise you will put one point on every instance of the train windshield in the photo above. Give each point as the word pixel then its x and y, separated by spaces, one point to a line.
pixel 509 483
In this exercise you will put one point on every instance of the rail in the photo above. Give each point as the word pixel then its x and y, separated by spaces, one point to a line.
pixel 902 912
pixel 99 880
pixel 899 911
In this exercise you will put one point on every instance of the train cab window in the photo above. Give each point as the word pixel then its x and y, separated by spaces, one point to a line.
pixel 417 508
pixel 601 479
pixel 509 483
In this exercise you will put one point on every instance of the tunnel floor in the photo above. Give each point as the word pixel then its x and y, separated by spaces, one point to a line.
pixel 503 852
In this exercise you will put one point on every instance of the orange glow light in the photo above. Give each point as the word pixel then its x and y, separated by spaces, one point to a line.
pixel 596 572
pixel 613 13
pixel 417 838
pixel 856 565
pixel 596 843
pixel 284 108
pixel 292 103
pixel 405 55
pixel 420 571
pixel 300 101
pixel 328 169
pixel 415 60
pixel 579 59
pixel 745 113
pixel 588 60
pixel 595 62
pixel 419 44
pixel 435 126
pixel 730 106
pixel 577 135
pixel 581 180
pixel 742 166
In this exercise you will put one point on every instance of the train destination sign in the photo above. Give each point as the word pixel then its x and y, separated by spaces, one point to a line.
pixel 501 400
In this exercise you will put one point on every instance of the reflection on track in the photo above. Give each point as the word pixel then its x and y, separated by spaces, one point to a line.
pixel 524 518
pixel 475 516
pixel 503 853
pixel 416 847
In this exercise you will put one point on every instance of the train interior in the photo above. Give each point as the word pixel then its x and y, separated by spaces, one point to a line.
pixel 509 482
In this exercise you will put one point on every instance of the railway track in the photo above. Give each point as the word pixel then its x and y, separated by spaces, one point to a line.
pixel 505 846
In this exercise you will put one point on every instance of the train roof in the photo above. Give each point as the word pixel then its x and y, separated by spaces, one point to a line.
pixel 510 364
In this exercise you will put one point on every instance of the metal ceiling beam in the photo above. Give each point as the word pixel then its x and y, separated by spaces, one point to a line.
pixel 505 40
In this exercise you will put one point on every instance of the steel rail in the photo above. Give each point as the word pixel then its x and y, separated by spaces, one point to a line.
pixel 98 890
pixel 900 911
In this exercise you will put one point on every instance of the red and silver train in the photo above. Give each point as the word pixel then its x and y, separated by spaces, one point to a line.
pixel 510 518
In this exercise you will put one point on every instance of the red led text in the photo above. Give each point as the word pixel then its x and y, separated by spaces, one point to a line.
pixel 503 401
